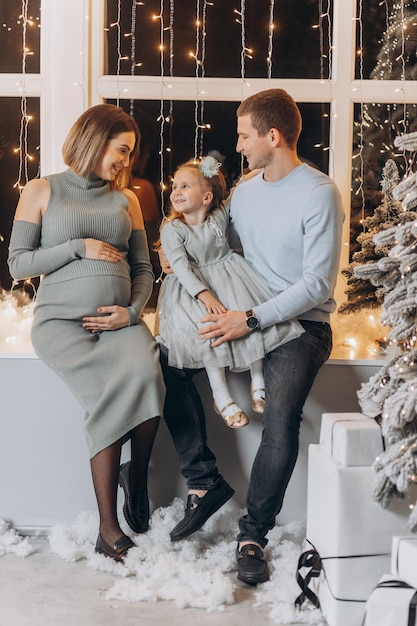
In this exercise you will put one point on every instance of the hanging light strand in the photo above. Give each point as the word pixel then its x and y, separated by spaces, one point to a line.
pixel 204 126
pixel 360 190
pixel 197 75
pixel 325 15
pixel 326 73
pixel 82 84
pixel 171 73
pixel 24 157
pixel 24 118
pixel 328 16
pixel 132 49
pixel 200 57
pixel 401 58
pixel 242 65
pixel 161 117
pixel 243 41
pixel 119 48
pixel 167 119
pixel 321 39
pixel 270 38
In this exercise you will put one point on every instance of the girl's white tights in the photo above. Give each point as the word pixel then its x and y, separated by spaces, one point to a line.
pixel 219 387
pixel 223 399
pixel 257 376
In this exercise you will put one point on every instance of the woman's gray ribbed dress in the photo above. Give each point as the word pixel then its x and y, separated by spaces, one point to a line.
pixel 115 375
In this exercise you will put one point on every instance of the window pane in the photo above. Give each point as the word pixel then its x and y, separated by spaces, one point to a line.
pixel 375 128
pixel 388 38
pixel 299 39
pixel 12 32
pixel 9 168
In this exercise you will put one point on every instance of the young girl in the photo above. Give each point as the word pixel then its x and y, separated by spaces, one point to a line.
pixel 208 277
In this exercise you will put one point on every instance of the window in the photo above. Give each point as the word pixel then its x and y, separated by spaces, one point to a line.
pixel 20 31
pixel 295 43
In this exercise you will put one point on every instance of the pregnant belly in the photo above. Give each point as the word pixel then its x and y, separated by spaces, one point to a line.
pixel 74 299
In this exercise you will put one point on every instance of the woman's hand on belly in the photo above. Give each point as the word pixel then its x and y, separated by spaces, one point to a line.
pixel 110 318
pixel 102 251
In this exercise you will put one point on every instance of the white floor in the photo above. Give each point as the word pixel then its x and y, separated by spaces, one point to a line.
pixel 44 590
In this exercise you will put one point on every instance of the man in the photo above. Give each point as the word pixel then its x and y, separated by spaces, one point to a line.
pixel 289 220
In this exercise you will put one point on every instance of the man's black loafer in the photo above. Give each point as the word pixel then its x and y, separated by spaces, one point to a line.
pixel 198 510
pixel 136 507
pixel 252 567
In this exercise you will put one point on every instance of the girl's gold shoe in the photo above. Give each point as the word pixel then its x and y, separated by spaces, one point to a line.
pixel 237 419
pixel 258 400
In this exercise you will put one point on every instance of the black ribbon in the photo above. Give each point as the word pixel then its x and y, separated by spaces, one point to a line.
pixel 312 560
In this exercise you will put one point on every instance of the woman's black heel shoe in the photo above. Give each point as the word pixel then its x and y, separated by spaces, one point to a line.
pixel 118 551
pixel 136 507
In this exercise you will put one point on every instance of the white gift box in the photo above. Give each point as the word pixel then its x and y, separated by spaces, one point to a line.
pixel 404 559
pixel 351 438
pixel 391 604
pixel 338 612
pixel 353 579
pixel 342 517
pixel 351 532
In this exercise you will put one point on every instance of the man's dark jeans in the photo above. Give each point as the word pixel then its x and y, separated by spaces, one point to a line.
pixel 290 371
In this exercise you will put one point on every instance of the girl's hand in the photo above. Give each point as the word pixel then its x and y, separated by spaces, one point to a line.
pixel 163 262
pixel 111 318
pixel 211 303
pixel 101 251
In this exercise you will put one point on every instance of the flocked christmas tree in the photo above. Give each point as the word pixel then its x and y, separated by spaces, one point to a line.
pixel 360 291
pixel 392 392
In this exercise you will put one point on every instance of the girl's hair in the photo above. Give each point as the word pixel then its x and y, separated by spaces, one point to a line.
pixel 216 183
pixel 90 135
pixel 273 108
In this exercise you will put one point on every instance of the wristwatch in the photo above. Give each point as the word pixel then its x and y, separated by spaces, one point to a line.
pixel 252 321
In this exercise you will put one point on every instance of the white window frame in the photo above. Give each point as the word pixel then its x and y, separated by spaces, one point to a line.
pixel 63 61
pixel 72 78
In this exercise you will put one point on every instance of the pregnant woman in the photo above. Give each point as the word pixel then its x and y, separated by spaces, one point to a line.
pixel 83 232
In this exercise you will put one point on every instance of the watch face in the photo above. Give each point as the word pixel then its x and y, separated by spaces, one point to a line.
pixel 252 322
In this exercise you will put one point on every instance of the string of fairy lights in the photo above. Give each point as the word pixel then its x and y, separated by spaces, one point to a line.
pixel 325 17
pixel 384 64
pixel 198 54
pixel 24 156
pixel 161 117
pixel 270 38
pixel 360 190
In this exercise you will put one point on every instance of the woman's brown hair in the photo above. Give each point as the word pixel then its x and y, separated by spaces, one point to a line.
pixel 91 133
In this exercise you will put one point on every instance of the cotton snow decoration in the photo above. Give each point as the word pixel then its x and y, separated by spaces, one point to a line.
pixel 199 572
pixel 12 543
